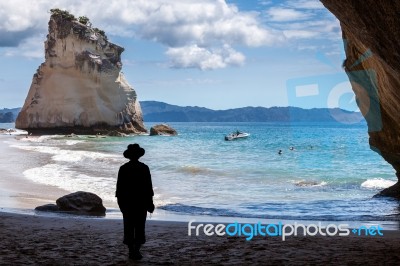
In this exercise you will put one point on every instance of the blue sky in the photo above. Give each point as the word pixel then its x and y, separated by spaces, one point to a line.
pixel 213 53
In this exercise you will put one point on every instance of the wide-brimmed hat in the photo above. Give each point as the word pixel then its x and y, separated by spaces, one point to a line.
pixel 134 151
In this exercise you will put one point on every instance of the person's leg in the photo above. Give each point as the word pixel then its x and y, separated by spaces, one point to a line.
pixel 139 233
pixel 128 222
pixel 129 236
pixel 127 229
pixel 129 233
pixel 140 225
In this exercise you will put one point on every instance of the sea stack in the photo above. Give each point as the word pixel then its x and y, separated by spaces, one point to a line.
pixel 80 87
pixel 371 32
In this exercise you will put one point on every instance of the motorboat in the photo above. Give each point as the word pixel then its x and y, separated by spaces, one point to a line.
pixel 236 135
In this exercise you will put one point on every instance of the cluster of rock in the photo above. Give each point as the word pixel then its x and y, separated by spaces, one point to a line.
pixel 80 87
pixel 81 203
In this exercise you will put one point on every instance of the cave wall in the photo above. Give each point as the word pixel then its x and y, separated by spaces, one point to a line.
pixel 371 36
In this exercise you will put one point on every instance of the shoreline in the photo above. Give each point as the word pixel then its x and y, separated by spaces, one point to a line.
pixel 166 216
pixel 32 237
pixel 19 191
pixel 20 195
pixel 68 241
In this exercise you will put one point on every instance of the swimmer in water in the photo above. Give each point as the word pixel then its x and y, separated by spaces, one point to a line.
pixel 280 152
pixel 291 148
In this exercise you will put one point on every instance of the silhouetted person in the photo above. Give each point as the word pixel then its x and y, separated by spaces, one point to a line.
pixel 135 197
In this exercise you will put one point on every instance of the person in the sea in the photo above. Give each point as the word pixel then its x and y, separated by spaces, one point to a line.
pixel 135 198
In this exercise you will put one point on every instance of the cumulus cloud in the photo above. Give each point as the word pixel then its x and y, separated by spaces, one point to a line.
pixel 197 57
pixel 196 33
pixel 228 26
pixel 200 29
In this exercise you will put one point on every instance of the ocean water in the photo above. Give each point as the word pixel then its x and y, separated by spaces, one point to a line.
pixel 330 175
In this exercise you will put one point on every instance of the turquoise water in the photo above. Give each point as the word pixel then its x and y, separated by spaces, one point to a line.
pixel 330 175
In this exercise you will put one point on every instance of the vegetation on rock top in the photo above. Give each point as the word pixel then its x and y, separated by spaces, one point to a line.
pixel 65 15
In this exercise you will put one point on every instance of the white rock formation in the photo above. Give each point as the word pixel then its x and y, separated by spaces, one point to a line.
pixel 80 87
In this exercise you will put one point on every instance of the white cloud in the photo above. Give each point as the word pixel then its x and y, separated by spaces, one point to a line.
pixel 19 15
pixel 179 25
pixel 199 29
pixel 197 57
pixel 299 34
pixel 280 14
pixel 305 23
pixel 327 29
pixel 203 22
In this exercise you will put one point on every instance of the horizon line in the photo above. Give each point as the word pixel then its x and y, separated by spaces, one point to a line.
pixel 248 106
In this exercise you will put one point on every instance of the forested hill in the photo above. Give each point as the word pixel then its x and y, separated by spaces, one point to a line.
pixel 154 111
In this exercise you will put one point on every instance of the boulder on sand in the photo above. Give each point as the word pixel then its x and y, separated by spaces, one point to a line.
pixel 82 203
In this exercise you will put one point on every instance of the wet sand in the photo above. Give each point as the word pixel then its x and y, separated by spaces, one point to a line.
pixel 40 240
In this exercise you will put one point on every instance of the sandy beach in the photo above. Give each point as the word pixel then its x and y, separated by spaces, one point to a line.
pixel 39 240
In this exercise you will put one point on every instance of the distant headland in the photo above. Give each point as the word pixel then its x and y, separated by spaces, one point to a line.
pixel 154 111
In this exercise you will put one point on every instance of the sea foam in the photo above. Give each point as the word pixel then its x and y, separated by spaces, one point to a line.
pixel 68 155
pixel 66 178
pixel 377 183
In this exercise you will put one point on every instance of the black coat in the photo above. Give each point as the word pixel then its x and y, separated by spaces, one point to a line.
pixel 134 186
